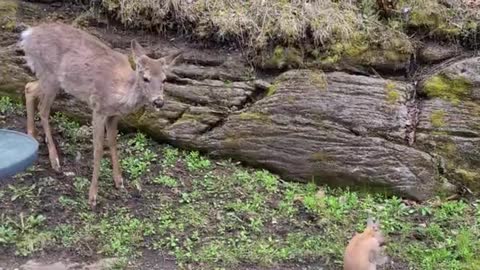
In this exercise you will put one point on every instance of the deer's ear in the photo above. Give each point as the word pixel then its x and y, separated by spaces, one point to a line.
pixel 137 49
pixel 171 59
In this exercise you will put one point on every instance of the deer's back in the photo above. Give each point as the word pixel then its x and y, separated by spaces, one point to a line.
pixel 77 61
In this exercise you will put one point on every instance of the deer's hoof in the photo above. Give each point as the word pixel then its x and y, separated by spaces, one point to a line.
pixel 92 201
pixel 119 184
pixel 56 164
pixel 118 179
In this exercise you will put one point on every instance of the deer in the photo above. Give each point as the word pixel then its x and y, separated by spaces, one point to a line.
pixel 365 250
pixel 65 57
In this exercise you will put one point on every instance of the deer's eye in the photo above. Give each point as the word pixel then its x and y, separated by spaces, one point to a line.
pixel 145 79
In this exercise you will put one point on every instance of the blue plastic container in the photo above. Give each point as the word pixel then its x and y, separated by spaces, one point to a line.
pixel 18 151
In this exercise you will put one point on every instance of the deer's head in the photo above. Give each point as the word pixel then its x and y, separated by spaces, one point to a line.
pixel 151 73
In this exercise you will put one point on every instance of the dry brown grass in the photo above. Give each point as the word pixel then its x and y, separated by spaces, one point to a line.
pixel 264 24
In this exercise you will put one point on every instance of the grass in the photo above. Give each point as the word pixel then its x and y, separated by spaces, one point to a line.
pixel 280 33
pixel 8 106
pixel 219 215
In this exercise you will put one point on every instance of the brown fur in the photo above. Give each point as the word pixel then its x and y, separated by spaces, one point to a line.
pixel 64 57
pixel 364 251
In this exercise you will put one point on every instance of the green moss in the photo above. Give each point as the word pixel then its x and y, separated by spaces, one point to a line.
pixel 330 60
pixel 449 89
pixel 278 58
pixel 389 86
pixel 355 50
pixel 448 149
pixel 285 57
pixel 448 30
pixel 395 56
pixel 437 118
pixel 186 117
pixel 392 95
pixel 255 116
pixel 471 26
pixel 436 18
pixel 424 18
pixel 8 10
pixel 272 89
pixel 319 79
pixel 320 157
pixel 368 48
pixel 468 176
pixel 293 57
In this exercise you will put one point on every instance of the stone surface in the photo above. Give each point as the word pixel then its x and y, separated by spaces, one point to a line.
pixel 452 130
pixel 99 265
pixel 432 52
pixel 334 128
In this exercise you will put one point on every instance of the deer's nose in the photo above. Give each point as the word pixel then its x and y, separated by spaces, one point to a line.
pixel 158 103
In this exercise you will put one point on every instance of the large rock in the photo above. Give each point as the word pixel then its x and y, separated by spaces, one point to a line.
pixel 449 122
pixel 336 128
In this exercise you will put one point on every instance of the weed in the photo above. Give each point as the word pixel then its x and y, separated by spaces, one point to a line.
pixel 166 181
pixel 138 158
pixel 7 106
pixel 65 234
pixel 196 162
pixel 26 234
pixel 25 192
pixel 268 180
pixel 170 156
pixel 7 235
pixel 81 184
pixel 68 127
pixel 121 234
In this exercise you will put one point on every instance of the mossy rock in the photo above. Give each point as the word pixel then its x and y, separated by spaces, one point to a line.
pixel 272 89
pixel 321 156
pixel 393 96
pixel 8 14
pixel 283 57
pixel 457 166
pixel 318 79
pixel 438 118
pixel 453 89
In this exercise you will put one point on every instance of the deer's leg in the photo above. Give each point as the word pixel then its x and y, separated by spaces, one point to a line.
pixel 46 101
pixel 31 92
pixel 112 131
pixel 98 138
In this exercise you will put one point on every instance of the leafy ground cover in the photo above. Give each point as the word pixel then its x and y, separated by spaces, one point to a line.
pixel 200 213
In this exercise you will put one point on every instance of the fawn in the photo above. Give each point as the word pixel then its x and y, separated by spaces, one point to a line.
pixel 365 251
pixel 64 57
